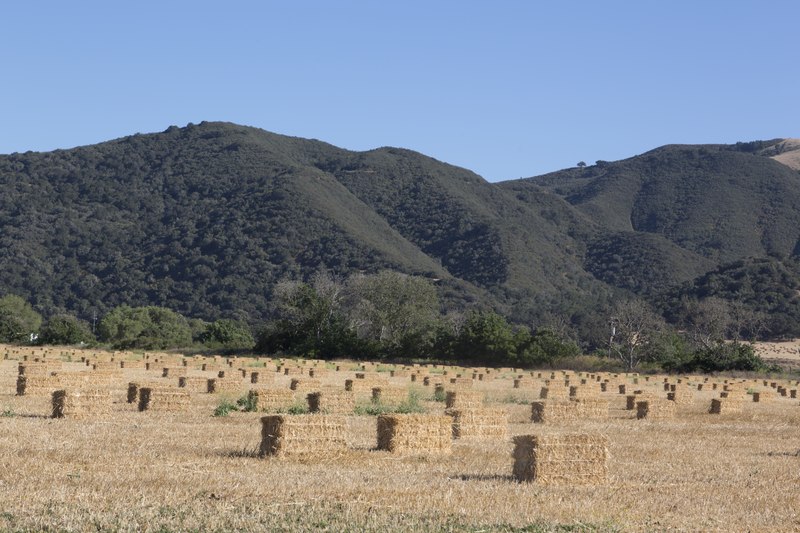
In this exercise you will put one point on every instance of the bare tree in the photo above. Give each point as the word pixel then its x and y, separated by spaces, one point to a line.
pixel 633 328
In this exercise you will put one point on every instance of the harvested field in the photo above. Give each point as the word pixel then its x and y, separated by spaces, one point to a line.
pixel 188 470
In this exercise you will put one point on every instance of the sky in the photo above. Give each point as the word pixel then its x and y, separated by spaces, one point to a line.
pixel 507 89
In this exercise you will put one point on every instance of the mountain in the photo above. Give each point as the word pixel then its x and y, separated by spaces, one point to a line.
pixel 206 219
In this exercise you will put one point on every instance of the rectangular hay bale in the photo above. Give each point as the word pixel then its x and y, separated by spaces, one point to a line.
pixel 567 459
pixel 415 433
pixel 283 435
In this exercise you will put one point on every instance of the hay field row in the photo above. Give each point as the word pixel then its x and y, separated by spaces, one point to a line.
pixel 122 468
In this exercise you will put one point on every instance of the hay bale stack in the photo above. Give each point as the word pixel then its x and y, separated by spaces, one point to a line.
pixel 317 372
pixel 415 433
pixel 681 396
pixel 591 408
pixel 655 409
pixel 464 399
pixel 569 459
pixel 135 386
pixel 389 395
pixel 333 402
pixel 729 405
pixel 283 435
pixel 479 423
pixel 193 383
pixel 174 371
pixel 399 373
pixel 294 371
pixel 305 385
pixel 165 400
pixel 545 412
pixel 81 403
pixel 131 364
pixel 271 400
pixel 217 385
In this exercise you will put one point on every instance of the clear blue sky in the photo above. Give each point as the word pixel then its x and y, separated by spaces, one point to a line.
pixel 507 89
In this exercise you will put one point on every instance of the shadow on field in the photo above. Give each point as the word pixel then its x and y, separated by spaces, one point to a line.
pixel 240 454
pixel 783 454
pixel 483 477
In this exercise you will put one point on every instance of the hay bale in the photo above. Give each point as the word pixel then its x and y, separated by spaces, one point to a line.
pixel 591 408
pixel 637 396
pixel 305 385
pixel 554 393
pixel 568 459
pixel 415 433
pixel 763 396
pixel 81 403
pixel 271 400
pixel 36 384
pixel 193 383
pixel 543 412
pixel 389 395
pixel 464 399
pixel 163 399
pixel 174 371
pixel 655 409
pixel 283 435
pixel 461 382
pixel 729 405
pixel 481 423
pixel 217 385
pixel 334 402
pixel 681 396
pixel 585 391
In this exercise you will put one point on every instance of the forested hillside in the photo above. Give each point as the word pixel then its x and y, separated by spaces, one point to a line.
pixel 207 219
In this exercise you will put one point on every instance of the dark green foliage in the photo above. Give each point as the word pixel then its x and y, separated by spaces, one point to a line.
pixel 18 320
pixel 721 357
pixel 545 347
pixel 486 336
pixel 65 330
pixel 228 334
pixel 150 328
pixel 225 408
pixel 247 403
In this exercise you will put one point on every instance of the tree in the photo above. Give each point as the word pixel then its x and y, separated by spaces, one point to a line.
pixel 18 320
pixel 150 328
pixel 581 164
pixel 228 334
pixel 65 330
pixel 546 347
pixel 487 336
pixel 398 311
pixel 634 327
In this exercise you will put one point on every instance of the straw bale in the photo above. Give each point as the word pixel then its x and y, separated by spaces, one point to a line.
pixel 549 411
pixel 567 459
pixel 193 383
pixel 135 386
pixel 318 372
pixel 481 423
pixel 432 380
pixel 335 402
pixel 591 408
pixel 655 409
pixel 305 384
pixel 38 369
pixel 81 403
pixel 637 396
pixel 582 391
pixel 283 435
pixel 106 365
pixel 399 373
pixel 389 395
pixel 460 383
pixel 294 371
pixel 793 393
pixel 271 400
pixel 464 399
pixel 763 396
pixel 721 406
pixel 681 396
pixel 556 392
pixel 217 385
pixel 131 364
pixel 523 383
pixel 415 433
pixel 163 399
pixel 36 385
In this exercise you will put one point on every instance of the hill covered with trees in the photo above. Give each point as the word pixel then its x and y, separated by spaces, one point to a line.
pixel 209 219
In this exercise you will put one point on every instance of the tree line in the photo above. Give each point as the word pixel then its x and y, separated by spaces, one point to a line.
pixel 390 315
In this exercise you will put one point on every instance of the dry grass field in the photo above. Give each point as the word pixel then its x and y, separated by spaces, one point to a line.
pixel 121 469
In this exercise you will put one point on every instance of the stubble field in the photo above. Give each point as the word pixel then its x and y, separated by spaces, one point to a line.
pixel 159 471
